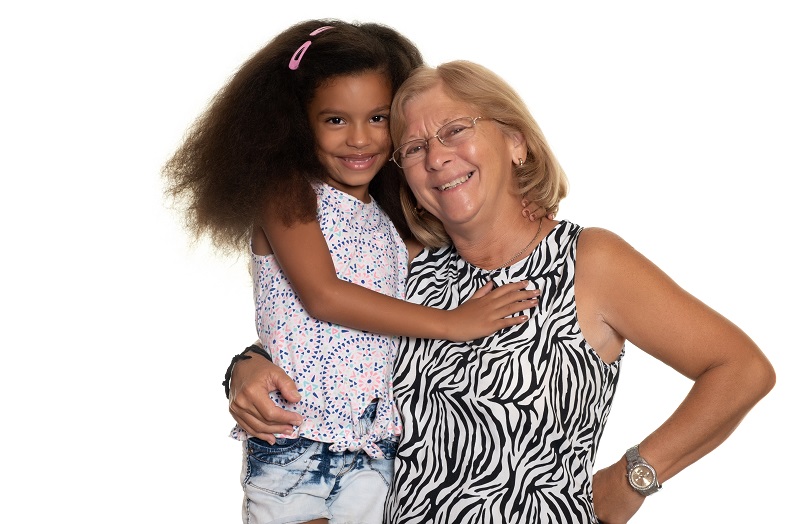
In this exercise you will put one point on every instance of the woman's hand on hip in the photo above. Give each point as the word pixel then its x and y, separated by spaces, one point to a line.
pixel 614 500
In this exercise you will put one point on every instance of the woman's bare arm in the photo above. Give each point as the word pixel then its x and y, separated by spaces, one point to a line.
pixel 622 295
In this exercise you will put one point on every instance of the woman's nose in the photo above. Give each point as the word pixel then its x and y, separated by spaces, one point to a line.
pixel 437 155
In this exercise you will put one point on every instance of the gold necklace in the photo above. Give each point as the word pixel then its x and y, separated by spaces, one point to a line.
pixel 514 257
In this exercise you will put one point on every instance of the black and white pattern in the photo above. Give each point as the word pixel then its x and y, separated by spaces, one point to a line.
pixel 503 429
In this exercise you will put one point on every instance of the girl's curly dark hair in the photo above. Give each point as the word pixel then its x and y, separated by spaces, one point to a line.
pixel 253 151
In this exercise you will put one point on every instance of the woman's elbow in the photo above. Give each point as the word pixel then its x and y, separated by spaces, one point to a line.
pixel 768 377
pixel 760 377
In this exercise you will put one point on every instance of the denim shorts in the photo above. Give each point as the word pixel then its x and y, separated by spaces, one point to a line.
pixel 297 480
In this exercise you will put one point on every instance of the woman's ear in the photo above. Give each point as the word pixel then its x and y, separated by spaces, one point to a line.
pixel 518 147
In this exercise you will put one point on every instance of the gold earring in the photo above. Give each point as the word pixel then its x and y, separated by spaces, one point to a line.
pixel 521 162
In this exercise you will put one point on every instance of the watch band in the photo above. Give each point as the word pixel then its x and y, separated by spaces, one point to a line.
pixel 634 459
pixel 632 455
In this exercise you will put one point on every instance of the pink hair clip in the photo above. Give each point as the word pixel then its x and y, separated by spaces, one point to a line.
pixel 294 62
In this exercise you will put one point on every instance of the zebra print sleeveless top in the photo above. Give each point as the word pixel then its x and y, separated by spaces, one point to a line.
pixel 503 429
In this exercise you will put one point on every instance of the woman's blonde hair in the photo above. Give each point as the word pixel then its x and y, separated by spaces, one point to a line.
pixel 541 178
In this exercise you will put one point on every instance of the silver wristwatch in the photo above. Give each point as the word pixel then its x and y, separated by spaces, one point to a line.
pixel 641 475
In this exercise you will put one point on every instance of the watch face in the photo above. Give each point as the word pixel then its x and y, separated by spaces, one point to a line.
pixel 641 477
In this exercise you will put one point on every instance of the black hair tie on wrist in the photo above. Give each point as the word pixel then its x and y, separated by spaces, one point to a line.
pixel 253 348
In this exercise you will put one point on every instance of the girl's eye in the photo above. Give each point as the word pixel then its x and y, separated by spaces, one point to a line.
pixel 335 120
pixel 379 118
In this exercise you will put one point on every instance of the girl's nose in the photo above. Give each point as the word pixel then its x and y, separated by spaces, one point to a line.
pixel 359 136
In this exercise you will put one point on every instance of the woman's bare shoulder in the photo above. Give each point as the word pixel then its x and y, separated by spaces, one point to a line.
pixel 598 244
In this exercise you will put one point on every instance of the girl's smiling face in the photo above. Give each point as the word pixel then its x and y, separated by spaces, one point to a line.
pixel 349 118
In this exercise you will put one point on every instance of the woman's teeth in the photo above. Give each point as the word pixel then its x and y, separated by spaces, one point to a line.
pixel 456 182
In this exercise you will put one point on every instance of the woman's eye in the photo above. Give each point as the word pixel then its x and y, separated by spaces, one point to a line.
pixel 413 149
pixel 455 130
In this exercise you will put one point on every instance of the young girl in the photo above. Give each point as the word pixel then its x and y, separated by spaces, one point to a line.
pixel 293 154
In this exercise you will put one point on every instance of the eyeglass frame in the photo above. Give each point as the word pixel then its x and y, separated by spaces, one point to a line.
pixel 435 135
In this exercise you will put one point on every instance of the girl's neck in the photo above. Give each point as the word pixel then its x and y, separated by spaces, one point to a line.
pixel 359 192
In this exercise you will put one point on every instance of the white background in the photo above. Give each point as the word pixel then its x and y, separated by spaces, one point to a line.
pixel 668 118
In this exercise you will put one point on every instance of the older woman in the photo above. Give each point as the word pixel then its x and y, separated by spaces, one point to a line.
pixel 505 429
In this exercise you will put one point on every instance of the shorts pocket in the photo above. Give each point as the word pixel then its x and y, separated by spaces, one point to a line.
pixel 279 468
pixel 283 452
pixel 384 466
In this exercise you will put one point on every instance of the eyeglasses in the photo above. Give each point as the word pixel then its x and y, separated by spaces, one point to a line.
pixel 450 135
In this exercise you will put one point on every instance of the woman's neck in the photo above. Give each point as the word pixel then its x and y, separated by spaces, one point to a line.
pixel 507 240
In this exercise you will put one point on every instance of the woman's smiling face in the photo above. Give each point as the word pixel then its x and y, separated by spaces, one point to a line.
pixel 467 184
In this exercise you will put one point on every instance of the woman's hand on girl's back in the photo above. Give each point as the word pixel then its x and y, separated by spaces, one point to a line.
pixel 249 398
